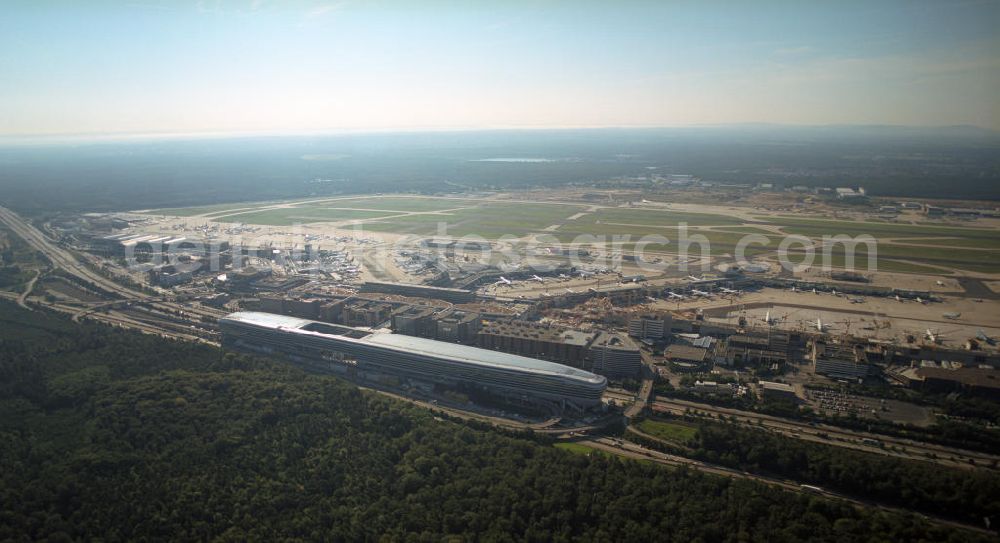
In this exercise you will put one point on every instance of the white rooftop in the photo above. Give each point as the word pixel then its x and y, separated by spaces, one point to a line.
pixel 428 347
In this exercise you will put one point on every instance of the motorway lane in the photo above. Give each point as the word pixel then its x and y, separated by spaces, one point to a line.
pixel 60 257
pixel 22 300
pixel 852 439
pixel 836 436
pixel 646 389
pixel 65 260
pixel 638 452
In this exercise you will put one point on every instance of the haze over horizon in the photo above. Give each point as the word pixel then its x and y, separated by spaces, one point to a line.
pixel 262 67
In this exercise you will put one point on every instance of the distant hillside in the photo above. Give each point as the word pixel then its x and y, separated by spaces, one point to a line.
pixel 947 162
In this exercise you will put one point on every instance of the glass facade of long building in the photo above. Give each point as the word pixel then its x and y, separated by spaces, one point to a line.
pixel 327 347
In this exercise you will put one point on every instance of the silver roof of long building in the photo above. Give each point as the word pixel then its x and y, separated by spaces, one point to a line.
pixel 428 347
pixel 476 355
pixel 270 320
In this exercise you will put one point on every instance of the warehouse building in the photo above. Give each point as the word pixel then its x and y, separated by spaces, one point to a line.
pixel 536 340
pixel 413 321
pixel 365 312
pixel 457 326
pixel 840 361
pixel 453 295
pixel 615 356
pixel 984 382
pixel 451 325
pixel 770 390
pixel 649 326
pixel 687 358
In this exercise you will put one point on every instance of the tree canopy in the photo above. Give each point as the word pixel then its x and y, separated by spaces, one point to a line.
pixel 115 435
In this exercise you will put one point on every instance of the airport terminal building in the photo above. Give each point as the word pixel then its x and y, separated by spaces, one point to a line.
pixel 421 362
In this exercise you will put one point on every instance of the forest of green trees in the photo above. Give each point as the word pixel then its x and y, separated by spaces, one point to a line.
pixel 963 494
pixel 113 435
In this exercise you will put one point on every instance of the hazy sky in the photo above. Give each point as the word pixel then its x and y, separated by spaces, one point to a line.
pixel 259 65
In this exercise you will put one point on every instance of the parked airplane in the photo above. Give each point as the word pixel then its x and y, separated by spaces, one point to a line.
pixel 768 319
pixel 697 292
pixel 676 296
pixel 537 278
pixel 932 336
pixel 730 291
pixel 504 281
pixel 693 278
pixel 820 326
pixel 571 291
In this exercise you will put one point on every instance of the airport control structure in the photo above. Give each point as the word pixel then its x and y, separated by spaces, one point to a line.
pixel 423 363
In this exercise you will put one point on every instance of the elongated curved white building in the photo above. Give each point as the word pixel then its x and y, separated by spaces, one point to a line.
pixel 327 347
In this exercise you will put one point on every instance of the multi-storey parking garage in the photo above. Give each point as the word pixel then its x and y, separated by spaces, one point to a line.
pixel 341 349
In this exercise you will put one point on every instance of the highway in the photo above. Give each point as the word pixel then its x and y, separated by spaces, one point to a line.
pixel 638 452
pixel 61 258
pixel 22 300
pixel 837 436
pixel 645 389
pixel 548 426
pixel 634 451
pixel 65 260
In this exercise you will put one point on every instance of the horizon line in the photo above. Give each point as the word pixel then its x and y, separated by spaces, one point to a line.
pixel 167 135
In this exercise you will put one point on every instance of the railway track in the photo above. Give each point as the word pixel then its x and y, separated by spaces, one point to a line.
pixel 841 437
pixel 638 452
pixel 65 260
